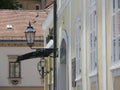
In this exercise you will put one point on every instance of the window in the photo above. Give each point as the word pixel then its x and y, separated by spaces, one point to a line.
pixel 9 27
pixel 113 4
pixel 63 52
pixel 116 30
pixel 93 37
pixel 92 1
pixel 78 52
pixel 14 70
pixel 60 3
pixel 19 6
pixel 118 3
pixel 37 7
pixel 73 72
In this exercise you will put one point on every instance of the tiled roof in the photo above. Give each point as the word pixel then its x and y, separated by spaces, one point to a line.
pixel 19 20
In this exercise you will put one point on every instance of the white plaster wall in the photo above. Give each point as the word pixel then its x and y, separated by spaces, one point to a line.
pixel 29 73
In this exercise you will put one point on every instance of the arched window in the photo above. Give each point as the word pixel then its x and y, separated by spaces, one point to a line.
pixel 93 37
pixel 63 52
pixel 78 52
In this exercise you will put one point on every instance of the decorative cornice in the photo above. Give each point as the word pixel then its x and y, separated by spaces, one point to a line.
pixel 19 44
pixel 12 56
pixel 19 41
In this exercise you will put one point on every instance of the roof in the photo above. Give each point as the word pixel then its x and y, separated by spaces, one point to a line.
pixel 19 20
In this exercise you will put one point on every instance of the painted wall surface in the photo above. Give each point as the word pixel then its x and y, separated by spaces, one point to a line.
pixel 28 5
pixel 109 49
pixel 99 33
pixel 68 13
pixel 22 88
pixel 29 74
pixel 31 4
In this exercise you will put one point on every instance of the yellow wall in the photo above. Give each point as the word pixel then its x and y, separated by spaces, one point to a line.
pixel 108 30
pixel 117 83
pixel 93 86
pixel 77 10
pixel 99 42
pixel 87 46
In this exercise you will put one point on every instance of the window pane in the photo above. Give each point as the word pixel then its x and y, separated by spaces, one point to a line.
pixel 17 70
pixel 92 40
pixel 118 15
pixel 37 7
pixel 118 3
pixel 19 6
pixel 11 69
pixel 78 64
pixel 114 50
pixel 113 4
pixel 90 22
pixel 119 48
pixel 94 55
pixel 91 61
pixel 94 20
pixel 14 69
pixel 114 26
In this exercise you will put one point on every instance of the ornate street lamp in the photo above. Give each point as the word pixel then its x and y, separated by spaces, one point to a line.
pixel 30 35
pixel 40 67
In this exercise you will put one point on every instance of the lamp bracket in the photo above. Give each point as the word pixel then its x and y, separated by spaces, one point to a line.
pixel 45 73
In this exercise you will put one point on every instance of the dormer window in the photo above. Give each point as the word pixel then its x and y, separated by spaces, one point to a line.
pixel 9 27
pixel 37 7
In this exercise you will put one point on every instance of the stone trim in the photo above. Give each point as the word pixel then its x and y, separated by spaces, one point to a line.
pixel 19 44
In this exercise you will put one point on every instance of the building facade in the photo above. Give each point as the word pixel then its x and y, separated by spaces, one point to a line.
pixel 33 4
pixel 19 75
pixel 88 34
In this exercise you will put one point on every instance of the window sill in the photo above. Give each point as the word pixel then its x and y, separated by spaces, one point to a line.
pixel 10 78
pixel 14 81
pixel 92 74
pixel 78 78
pixel 93 3
pixel 115 67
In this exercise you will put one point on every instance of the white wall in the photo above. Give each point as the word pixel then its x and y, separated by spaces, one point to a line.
pixel 29 73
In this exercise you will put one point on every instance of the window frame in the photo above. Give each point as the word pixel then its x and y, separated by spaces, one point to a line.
pixel 78 52
pixel 115 41
pixel 20 6
pixel 115 31
pixel 14 73
pixel 37 7
pixel 78 49
pixel 60 3
pixel 93 37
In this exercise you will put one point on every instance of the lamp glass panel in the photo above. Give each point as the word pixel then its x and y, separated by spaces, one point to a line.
pixel 30 34
pixel 42 63
pixel 39 67
pixel 30 37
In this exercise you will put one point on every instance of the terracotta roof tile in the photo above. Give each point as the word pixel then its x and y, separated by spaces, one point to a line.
pixel 19 20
